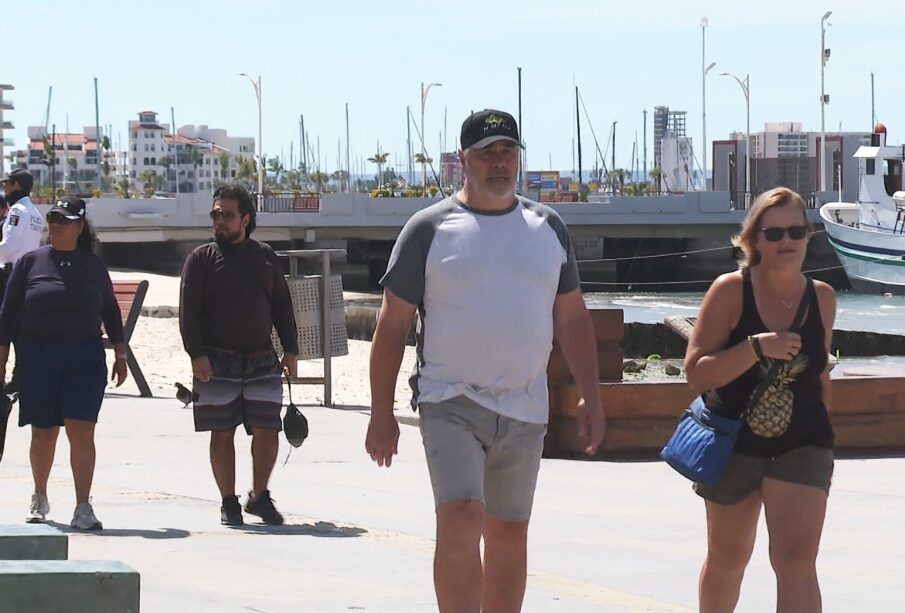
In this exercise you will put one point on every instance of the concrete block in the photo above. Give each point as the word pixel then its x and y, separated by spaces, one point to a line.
pixel 32 542
pixel 68 586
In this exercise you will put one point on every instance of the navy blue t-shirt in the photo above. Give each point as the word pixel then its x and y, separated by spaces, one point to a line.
pixel 59 296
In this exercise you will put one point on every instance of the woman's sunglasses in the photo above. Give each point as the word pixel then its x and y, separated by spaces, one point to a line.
pixel 223 214
pixel 775 234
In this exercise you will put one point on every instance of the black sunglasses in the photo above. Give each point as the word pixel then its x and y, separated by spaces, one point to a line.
pixel 775 234
pixel 223 214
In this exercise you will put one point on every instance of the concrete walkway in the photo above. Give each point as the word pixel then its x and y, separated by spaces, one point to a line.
pixel 605 536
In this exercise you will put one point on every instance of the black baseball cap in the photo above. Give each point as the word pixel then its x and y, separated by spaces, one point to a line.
pixel 488 126
pixel 71 208
pixel 20 176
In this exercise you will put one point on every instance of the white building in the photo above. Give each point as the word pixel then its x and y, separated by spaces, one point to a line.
pixel 75 166
pixel 677 164
pixel 5 105
pixel 787 139
pixel 205 156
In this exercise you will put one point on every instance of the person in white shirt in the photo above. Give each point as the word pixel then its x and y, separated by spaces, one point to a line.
pixel 21 232
pixel 24 226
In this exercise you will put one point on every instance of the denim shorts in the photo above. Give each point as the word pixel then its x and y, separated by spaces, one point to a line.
pixel 811 466
pixel 59 381
pixel 476 454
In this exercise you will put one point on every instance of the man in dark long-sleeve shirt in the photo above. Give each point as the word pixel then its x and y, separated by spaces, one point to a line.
pixel 232 294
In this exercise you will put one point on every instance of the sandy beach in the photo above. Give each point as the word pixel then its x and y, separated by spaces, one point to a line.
pixel 157 345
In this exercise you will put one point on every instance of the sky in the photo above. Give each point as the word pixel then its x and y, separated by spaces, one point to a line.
pixel 316 57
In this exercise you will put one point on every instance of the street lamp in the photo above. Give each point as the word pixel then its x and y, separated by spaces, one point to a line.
pixel 257 86
pixel 424 91
pixel 704 71
pixel 824 99
pixel 745 85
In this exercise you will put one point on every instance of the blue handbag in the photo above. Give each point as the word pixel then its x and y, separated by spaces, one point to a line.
pixel 702 444
pixel 700 447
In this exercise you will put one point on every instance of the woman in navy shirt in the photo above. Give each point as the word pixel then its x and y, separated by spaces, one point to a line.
pixel 56 299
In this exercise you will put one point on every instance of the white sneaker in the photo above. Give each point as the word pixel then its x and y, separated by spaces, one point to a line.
pixel 39 509
pixel 83 518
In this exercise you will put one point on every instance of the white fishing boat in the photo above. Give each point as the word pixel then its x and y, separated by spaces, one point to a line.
pixel 869 235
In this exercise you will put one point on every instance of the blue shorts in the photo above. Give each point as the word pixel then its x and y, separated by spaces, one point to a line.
pixel 59 381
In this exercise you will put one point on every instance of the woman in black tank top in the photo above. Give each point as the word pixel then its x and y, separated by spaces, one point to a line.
pixel 783 458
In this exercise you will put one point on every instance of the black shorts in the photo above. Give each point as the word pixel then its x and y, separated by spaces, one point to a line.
pixel 805 466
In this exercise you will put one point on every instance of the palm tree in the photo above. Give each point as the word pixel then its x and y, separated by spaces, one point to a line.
pixel 105 166
pixel 167 163
pixel 73 171
pixel 123 189
pixel 50 158
pixel 341 177
pixel 149 182
pixel 224 158
pixel 246 170
pixel 421 158
pixel 380 159
pixel 319 179
pixel 196 157
pixel 657 175
pixel 275 166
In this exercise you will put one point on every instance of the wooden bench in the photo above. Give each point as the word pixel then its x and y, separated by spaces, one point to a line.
pixel 131 295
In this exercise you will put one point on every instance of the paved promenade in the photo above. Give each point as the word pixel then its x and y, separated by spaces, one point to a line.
pixel 606 536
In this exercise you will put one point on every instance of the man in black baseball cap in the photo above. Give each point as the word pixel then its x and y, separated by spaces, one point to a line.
pixel 494 280
pixel 18 180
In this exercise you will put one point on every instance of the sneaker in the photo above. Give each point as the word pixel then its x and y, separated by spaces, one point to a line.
pixel 39 509
pixel 231 511
pixel 262 506
pixel 83 518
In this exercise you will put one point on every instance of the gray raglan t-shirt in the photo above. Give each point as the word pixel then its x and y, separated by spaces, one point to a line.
pixel 484 284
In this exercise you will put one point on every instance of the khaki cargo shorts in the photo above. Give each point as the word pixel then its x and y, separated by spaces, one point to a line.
pixel 476 454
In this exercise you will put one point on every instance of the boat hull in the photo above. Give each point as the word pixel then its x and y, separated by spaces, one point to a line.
pixel 874 260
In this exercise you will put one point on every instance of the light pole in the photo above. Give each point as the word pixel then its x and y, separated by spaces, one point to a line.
pixel 424 91
pixel 704 71
pixel 745 85
pixel 824 56
pixel 257 86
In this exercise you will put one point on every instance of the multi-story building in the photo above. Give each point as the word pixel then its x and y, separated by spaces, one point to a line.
pixel 666 123
pixel 199 156
pixel 783 154
pixel 5 105
pixel 65 160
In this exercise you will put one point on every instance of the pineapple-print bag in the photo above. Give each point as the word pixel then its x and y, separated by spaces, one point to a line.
pixel 700 447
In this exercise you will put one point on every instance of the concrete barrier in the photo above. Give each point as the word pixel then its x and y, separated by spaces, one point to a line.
pixel 68 586
pixel 32 542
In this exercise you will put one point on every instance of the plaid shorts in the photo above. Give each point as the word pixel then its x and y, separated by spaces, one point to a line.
pixel 244 388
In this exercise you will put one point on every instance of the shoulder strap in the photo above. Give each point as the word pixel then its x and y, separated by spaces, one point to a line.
pixel 777 364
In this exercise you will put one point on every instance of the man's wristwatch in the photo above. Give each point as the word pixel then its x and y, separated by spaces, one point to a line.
pixel 755 346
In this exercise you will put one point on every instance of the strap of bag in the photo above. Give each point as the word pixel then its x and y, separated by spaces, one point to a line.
pixel 289 384
pixel 761 389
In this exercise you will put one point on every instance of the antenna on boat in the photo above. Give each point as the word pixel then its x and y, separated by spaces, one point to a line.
pixel 873 108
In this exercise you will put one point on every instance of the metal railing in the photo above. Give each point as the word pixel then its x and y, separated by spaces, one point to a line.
pixel 288 203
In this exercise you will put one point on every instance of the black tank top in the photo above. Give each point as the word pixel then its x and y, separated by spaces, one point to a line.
pixel 791 412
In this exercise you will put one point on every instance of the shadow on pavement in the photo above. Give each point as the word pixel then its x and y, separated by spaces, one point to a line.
pixel 162 533
pixel 319 529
